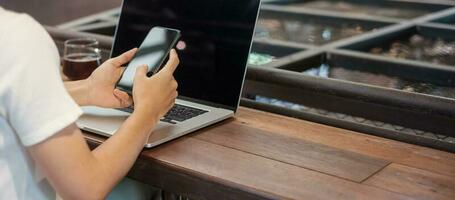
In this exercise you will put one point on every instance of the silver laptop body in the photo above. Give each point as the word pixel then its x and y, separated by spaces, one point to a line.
pixel 107 121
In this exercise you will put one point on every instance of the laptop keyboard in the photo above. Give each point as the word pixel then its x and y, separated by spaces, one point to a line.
pixel 181 113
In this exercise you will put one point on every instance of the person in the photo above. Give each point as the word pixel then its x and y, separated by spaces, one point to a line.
pixel 42 151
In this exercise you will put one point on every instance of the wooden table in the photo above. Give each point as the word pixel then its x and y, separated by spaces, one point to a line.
pixel 258 155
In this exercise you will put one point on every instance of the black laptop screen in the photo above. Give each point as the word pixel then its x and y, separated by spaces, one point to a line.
pixel 213 49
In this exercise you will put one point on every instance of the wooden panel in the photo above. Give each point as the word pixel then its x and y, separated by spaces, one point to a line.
pixel 255 173
pixel 407 154
pixel 181 181
pixel 416 183
pixel 322 158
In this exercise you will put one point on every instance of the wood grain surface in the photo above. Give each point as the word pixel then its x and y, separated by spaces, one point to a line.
pixel 258 155
pixel 262 174
pixel 416 183
pixel 291 150
pixel 391 150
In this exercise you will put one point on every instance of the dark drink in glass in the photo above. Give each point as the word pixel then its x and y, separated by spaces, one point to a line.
pixel 79 66
pixel 81 57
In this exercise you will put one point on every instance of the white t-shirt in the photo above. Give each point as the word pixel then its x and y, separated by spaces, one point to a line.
pixel 34 104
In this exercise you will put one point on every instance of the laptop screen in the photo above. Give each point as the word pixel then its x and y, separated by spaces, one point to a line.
pixel 213 49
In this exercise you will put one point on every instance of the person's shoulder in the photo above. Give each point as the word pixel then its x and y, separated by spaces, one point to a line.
pixel 12 22
pixel 19 26
pixel 24 42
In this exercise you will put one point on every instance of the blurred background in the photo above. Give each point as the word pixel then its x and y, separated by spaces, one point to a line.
pixel 54 12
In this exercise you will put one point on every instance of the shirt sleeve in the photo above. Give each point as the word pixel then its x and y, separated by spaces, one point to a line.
pixel 36 101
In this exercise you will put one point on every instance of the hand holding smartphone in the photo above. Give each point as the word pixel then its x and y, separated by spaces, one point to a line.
pixel 153 51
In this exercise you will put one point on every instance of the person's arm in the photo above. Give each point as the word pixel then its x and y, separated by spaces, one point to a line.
pixel 78 91
pixel 77 173
pixel 99 89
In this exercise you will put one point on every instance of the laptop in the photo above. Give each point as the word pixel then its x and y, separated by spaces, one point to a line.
pixel 216 37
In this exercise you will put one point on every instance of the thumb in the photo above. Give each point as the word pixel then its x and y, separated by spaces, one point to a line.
pixel 141 71
pixel 123 58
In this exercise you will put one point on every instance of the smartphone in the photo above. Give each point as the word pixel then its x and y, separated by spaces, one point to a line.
pixel 153 51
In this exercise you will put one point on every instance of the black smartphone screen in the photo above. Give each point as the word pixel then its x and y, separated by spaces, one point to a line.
pixel 153 52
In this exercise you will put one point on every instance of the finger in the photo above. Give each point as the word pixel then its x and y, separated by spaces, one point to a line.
pixel 174 84
pixel 170 105
pixel 124 99
pixel 172 97
pixel 167 109
pixel 120 72
pixel 123 58
pixel 171 94
pixel 141 71
pixel 173 62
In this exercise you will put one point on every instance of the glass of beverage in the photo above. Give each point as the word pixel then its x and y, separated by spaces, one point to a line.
pixel 81 57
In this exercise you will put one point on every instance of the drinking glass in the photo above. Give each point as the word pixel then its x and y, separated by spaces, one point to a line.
pixel 81 57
